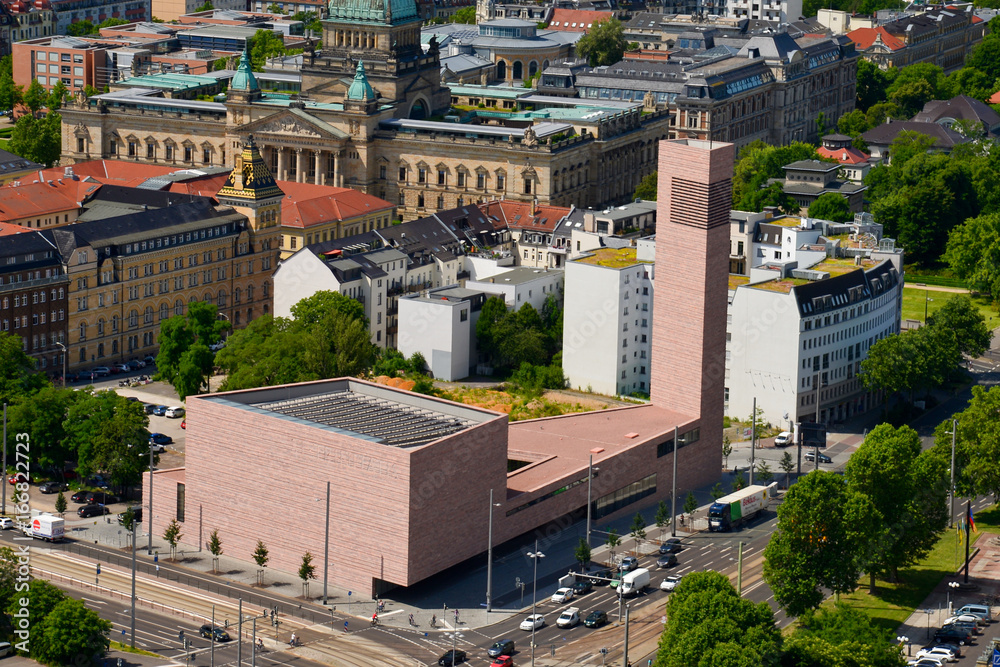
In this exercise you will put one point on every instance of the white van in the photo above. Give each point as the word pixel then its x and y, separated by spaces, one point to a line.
pixel 569 618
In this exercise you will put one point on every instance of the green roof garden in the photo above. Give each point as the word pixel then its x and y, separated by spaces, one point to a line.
pixel 783 285
pixel 841 265
pixel 612 258
pixel 736 281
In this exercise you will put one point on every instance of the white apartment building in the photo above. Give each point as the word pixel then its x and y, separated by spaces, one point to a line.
pixel 520 285
pixel 779 11
pixel 374 278
pixel 441 325
pixel 607 316
pixel 791 331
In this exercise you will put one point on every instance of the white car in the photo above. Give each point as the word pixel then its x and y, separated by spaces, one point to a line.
pixel 533 622
pixel 783 439
pixel 562 595
pixel 938 652
pixel 6 523
pixel 670 583
pixel 157 448
pixel 928 660
pixel 966 618
pixel 174 412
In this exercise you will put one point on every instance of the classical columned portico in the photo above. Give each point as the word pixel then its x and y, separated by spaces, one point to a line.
pixel 300 172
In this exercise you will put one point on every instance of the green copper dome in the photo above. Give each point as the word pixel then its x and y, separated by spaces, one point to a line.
pixel 360 90
pixel 378 11
pixel 244 78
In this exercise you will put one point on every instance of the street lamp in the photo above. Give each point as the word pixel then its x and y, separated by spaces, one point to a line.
pixel 926 300
pixel 326 545
pixel 489 557
pixel 816 385
pixel 534 555
pixel 951 489
pixel 952 585
pixel 904 640
pixel 63 348
pixel 590 484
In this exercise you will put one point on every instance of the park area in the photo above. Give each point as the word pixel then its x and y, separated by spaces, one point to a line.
pixel 917 298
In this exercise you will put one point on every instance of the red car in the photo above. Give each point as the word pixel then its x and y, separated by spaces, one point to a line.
pixel 502 661
pixel 184 423
pixel 17 478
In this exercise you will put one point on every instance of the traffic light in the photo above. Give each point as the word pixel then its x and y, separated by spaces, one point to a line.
pixel 180 635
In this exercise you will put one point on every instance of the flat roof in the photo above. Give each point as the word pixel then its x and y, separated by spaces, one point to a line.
pixel 542 130
pixel 363 410
pixel 517 276
pixel 170 81
pixel 612 258
pixel 535 98
pixel 557 447
pixel 490 91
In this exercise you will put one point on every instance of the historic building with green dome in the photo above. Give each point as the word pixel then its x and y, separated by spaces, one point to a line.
pixel 374 116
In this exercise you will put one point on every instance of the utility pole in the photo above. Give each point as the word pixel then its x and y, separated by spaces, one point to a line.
pixel 253 645
pixel 149 517
pixel 968 515
pixel 3 496
pixel 135 547
pixel 753 438
pixel 673 490
pixel 239 637
pixel 625 645
pixel 951 489
pixel 816 448
pixel 326 545
pixel 590 487
pixel 489 558
pixel 739 571
pixel 212 640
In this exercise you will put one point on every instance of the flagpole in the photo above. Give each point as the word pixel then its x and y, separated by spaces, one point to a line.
pixel 968 521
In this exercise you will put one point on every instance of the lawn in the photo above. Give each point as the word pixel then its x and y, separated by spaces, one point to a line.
pixel 914 297
pixel 894 603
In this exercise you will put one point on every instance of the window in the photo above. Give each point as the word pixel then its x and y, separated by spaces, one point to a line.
pixel 464 315
pixel 132 149
pixel 150 151
pixel 481 181
pixel 442 177
pixel 500 182
pixel 169 152
pixel 461 179
pixel 81 145
pixel 206 156
pixel 382 172
pixel 402 173
pixel 422 175
pixel 527 186
pixel 188 154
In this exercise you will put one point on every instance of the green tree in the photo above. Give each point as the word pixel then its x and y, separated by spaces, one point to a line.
pixel 465 15
pixel 853 123
pixel 961 316
pixel 762 473
pixel 717 491
pixel 71 634
pixel 690 504
pixel 977 444
pixel 185 359
pixel 37 139
pixel 194 370
pixel 173 535
pixel 727 450
pixel 603 44
pixel 128 519
pixel 261 556
pixel 8 580
pixel 831 206
pixel 662 518
pixel 638 531
pixel 109 435
pixel 823 541
pixel 708 623
pixel 915 85
pixel 647 188
pixel 841 636
pixel 112 21
pixel 61 503
pixel 787 465
pixel 265 44
pixel 973 252
pixel 208 6
pixel 10 93
pixel 758 425
pixel 986 56
pixel 872 83
pixel 43 415
pixel 80 29
pixel 582 553
pixel 613 542
pixel 739 481
pixel 215 548
pixel 907 490
pixel 307 571
pixel 57 97
pixel 311 311
pixel 43 597
pixel 760 162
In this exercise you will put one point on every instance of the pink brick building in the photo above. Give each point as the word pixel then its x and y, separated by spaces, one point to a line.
pixel 411 474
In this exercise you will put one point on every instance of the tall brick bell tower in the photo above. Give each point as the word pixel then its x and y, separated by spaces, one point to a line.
pixel 692 272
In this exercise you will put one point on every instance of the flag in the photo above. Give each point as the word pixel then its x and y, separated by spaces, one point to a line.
pixel 995 662
pixel 972 522
pixel 961 529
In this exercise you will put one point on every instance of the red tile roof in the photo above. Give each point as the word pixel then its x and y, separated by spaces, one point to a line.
pixel 519 215
pixel 7 229
pixel 844 155
pixel 576 20
pixel 995 99
pixel 43 197
pixel 865 37
pixel 306 204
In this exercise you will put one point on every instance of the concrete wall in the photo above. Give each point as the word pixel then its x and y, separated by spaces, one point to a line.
pixel 299 277
pixel 435 329
pixel 592 325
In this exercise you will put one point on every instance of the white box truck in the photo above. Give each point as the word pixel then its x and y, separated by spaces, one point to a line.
pixel 634 582
pixel 730 511
pixel 46 527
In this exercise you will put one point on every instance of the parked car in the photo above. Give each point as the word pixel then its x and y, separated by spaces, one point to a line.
pixel 672 545
pixel 160 439
pixel 502 647
pixel 502 661
pixel 783 439
pixel 88 511
pixel 149 408
pixel 122 368
pixel 101 497
pixel 150 360
pixel 136 515
pixel 596 619
pixel 184 423
pixel 533 622
pixel 6 523
pixel 977 609
pixel 972 628
pixel 174 412
pixel 79 497
pixel 628 564
pixel 938 652
pixel 669 560
pixel 967 618
pixel 99 481
pixel 215 347
pixel 53 487
pixel 101 371
pixel 157 449
pixel 583 586
pixel 214 633
pixel 17 478
pixel 452 657
pixel 670 583
pixel 811 456
pixel 953 636
pixel 71 377
pixel 603 573
pixel 562 595
pixel 927 662
pixel 160 410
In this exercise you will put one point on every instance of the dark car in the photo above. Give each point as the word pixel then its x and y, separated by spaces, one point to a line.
pixel 136 515
pixel 100 481
pixel 71 377
pixel 502 647
pixel 452 657
pixel 583 586
pixel 953 636
pixel 596 619
pixel 214 633
pixel 160 410
pixel 603 573
pixel 964 625
pixel 669 560
pixel 149 360
pixel 149 408
pixel 79 497
pixel 53 487
pixel 671 546
pixel 823 458
pixel 160 439
pixel 88 511
pixel 102 498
